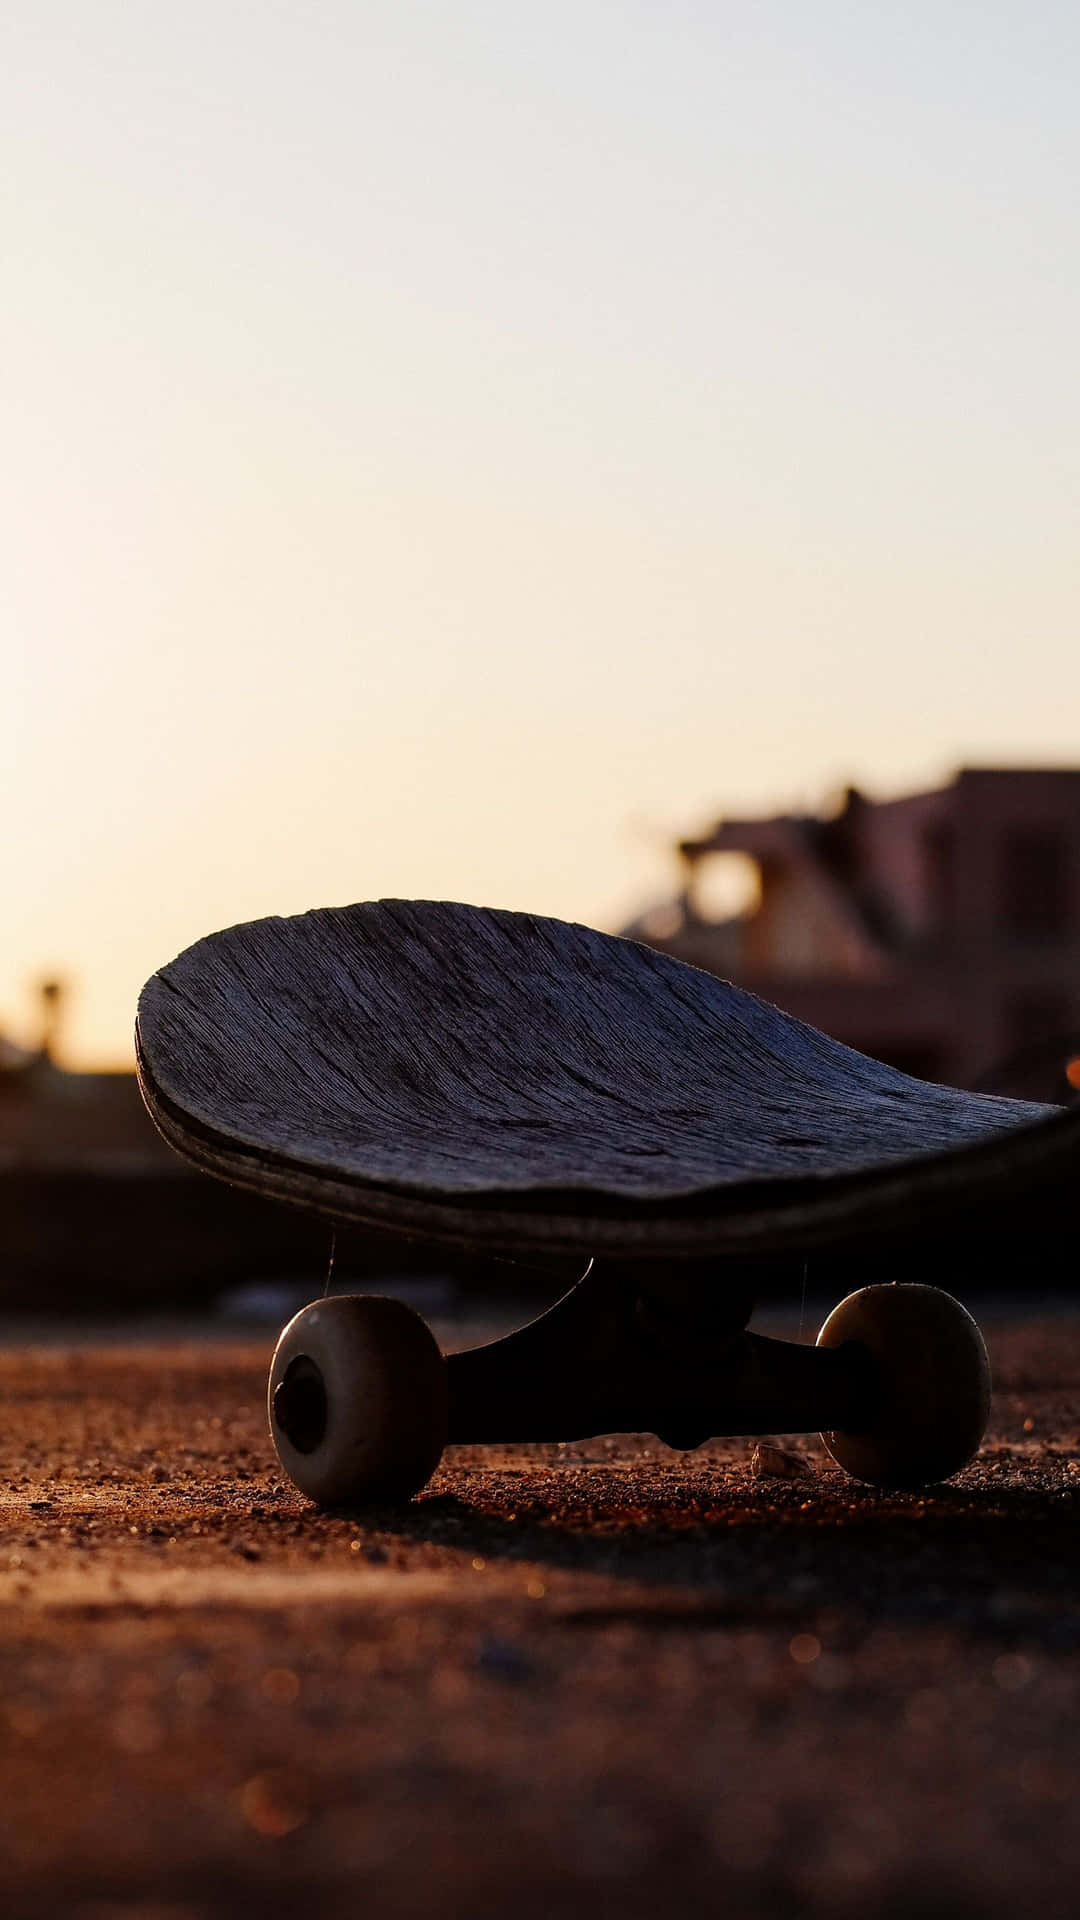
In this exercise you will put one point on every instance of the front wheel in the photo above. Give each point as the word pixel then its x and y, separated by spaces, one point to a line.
pixel 357 1400
pixel 931 1397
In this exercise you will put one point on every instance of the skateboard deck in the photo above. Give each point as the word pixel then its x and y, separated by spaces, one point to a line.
pixel 510 1083
pixel 513 1083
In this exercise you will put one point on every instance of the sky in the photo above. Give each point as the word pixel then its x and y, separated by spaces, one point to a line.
pixel 450 451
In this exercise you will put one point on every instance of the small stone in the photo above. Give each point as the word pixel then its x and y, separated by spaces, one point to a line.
pixel 776 1463
pixel 274 1803
pixel 503 1660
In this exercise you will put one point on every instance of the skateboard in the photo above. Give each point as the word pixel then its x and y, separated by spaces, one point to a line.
pixel 506 1083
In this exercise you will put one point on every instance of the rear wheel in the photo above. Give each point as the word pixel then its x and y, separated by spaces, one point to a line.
pixel 931 1402
pixel 357 1400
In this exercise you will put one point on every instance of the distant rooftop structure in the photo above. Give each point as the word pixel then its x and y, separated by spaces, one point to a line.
pixel 12 1058
pixel 940 931
pixel 52 1119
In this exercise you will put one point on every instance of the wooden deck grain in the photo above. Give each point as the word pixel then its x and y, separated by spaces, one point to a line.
pixel 428 1064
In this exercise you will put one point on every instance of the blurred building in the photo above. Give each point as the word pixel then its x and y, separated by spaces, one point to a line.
pixel 98 1214
pixel 940 932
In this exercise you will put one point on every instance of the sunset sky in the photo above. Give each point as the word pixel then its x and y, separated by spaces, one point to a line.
pixel 449 450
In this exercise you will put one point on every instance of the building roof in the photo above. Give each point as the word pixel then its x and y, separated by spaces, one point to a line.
pixel 50 1118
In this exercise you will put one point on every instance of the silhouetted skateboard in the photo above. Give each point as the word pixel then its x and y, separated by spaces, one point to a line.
pixel 502 1082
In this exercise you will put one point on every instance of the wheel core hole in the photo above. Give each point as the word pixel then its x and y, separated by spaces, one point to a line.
pixel 300 1404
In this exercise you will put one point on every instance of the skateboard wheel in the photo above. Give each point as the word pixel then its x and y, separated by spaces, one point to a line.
pixel 357 1400
pixel 931 1400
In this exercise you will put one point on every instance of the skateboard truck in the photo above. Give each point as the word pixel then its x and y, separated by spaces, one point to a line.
pixel 361 1402
pixel 608 1358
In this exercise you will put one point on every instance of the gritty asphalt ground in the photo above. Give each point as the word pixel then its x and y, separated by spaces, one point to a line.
pixel 594 1679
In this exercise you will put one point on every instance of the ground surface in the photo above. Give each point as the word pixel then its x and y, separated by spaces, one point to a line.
pixel 599 1679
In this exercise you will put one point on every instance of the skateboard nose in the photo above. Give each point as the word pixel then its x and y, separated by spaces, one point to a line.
pixel 300 1406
